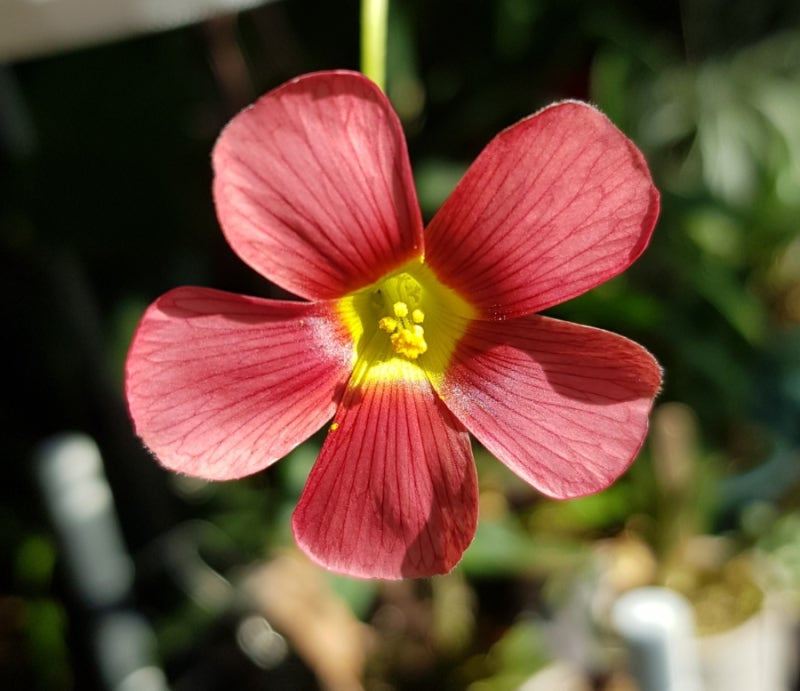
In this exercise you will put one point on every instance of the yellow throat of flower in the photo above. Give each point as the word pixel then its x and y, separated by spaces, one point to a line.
pixel 405 326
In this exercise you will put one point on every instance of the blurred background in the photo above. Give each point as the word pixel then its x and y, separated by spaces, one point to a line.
pixel 117 575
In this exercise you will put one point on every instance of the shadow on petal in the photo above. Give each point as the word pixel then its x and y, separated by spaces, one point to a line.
pixel 564 406
pixel 394 491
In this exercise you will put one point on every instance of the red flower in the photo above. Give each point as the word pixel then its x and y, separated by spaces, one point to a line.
pixel 408 337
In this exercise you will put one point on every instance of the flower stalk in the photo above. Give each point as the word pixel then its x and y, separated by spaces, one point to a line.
pixel 374 22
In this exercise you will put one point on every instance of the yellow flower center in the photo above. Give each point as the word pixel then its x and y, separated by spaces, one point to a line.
pixel 404 326
pixel 401 295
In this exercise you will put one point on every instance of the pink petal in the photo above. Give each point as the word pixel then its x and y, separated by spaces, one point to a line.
pixel 221 385
pixel 394 491
pixel 564 406
pixel 313 186
pixel 555 205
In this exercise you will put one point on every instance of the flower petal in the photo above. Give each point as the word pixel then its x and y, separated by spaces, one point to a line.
pixel 313 186
pixel 221 385
pixel 553 206
pixel 564 406
pixel 394 491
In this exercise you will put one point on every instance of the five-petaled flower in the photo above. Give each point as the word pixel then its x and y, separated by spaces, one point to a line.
pixel 407 337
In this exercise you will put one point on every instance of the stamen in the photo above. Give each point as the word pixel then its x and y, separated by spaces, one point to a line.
pixel 388 324
pixel 400 309
pixel 402 295
pixel 409 343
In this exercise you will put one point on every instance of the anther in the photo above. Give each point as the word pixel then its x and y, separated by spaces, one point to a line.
pixel 388 324
pixel 400 310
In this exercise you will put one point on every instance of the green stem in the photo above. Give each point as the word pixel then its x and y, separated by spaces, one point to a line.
pixel 374 20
